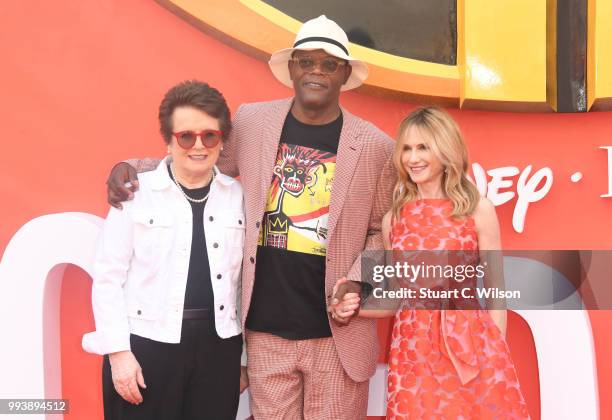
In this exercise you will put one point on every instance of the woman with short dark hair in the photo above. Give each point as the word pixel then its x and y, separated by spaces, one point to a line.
pixel 166 275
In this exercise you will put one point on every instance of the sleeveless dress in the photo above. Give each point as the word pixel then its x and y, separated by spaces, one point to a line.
pixel 447 364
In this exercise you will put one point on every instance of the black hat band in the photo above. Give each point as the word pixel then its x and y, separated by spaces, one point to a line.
pixel 322 39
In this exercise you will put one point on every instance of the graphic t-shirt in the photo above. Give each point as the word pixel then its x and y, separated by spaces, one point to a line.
pixel 289 291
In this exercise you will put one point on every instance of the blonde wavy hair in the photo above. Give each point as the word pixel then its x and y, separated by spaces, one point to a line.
pixel 446 142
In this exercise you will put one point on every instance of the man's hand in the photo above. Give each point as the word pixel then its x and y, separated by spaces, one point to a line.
pixel 244 379
pixel 345 300
pixel 127 376
pixel 121 184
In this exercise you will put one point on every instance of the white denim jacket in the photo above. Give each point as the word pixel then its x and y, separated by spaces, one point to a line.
pixel 142 260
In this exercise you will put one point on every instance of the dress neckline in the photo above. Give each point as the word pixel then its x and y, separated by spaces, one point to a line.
pixel 431 199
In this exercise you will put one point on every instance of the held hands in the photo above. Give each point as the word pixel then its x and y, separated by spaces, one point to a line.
pixel 345 300
pixel 127 376
pixel 121 184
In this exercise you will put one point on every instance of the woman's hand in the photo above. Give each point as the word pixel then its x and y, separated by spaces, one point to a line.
pixel 127 376
pixel 244 379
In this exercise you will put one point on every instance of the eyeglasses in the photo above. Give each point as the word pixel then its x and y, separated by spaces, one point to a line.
pixel 187 139
pixel 327 65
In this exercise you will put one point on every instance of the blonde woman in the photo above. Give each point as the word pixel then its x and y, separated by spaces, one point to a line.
pixel 448 363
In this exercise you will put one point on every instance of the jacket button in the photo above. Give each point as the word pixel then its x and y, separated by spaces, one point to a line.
pixel 221 307
pixel 219 276
pixel 257 224
pixel 139 312
pixel 239 222
pixel 252 260
pixel 211 218
pixel 150 221
pixel 215 245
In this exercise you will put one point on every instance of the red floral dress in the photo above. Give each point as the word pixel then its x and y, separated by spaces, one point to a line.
pixel 447 364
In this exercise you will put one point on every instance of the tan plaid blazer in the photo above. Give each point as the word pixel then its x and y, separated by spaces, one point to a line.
pixel 361 195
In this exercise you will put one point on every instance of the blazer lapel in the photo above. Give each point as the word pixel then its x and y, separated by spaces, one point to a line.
pixel 273 127
pixel 349 149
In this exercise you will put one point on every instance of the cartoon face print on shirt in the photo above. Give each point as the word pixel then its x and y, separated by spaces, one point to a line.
pixel 298 200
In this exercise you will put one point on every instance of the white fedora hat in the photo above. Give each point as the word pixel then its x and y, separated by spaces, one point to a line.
pixel 319 34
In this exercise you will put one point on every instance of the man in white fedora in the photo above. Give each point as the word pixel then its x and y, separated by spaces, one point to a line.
pixel 317 181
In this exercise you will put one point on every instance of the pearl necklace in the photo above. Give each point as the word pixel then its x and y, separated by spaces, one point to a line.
pixel 180 187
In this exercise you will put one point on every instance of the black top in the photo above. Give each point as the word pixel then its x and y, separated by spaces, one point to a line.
pixel 199 293
pixel 289 291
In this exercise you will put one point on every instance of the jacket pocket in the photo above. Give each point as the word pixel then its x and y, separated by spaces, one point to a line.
pixel 153 230
pixel 143 311
pixel 234 232
pixel 153 219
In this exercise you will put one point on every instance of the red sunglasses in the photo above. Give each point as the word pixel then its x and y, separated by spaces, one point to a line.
pixel 187 139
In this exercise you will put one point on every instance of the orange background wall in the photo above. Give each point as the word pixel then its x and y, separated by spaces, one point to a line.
pixel 80 85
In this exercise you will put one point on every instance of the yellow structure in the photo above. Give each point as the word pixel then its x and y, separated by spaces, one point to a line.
pixel 506 52
pixel 502 54
pixel 599 55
